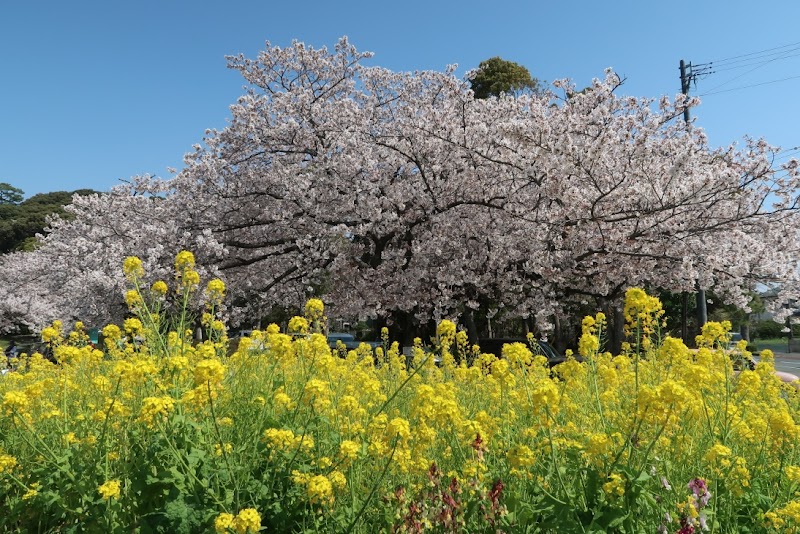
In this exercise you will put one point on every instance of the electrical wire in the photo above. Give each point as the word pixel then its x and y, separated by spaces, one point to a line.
pixel 723 84
pixel 747 86
pixel 787 153
pixel 757 63
pixel 759 53
pixel 752 60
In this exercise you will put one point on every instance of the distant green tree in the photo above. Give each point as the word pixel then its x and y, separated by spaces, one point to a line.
pixel 497 76
pixel 21 221
pixel 10 194
pixel 717 311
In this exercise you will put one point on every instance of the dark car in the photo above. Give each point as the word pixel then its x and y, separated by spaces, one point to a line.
pixel 28 344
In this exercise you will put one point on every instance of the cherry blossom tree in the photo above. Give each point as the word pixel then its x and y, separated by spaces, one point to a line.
pixel 401 194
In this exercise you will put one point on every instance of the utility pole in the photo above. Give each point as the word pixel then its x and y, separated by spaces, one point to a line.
pixel 686 80
pixel 688 75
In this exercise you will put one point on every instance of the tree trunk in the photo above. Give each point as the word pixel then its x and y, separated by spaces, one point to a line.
pixel 472 330
pixel 744 329
pixel 558 336
pixel 702 310
pixel 685 317
pixel 403 328
pixel 617 329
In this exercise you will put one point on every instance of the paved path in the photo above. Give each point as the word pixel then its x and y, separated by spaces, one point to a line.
pixel 788 362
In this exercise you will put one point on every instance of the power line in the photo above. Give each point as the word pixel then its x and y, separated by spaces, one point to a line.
pixel 787 153
pixel 730 59
pixel 723 84
pixel 690 73
pixel 751 61
pixel 747 86
pixel 755 63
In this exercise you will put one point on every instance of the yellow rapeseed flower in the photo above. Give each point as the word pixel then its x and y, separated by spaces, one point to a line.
pixel 112 332
pixel 216 288
pixel 320 490
pixel 315 389
pixel 7 463
pixel 772 520
pixel 314 309
pixel 246 521
pixel 588 344
pixel 190 279
pixel 133 298
pixel 641 311
pixel 598 444
pixel 714 333
pixel 446 330
pixel 272 328
pixel 338 480
pixel 225 448
pixel 349 450
pixel 790 512
pixel 15 401
pixel 223 523
pixel 280 438
pixel 399 428
pixel 32 492
pixel 132 326
pixel 521 457
pixel 132 268
pixel 739 476
pixel 209 371
pixel 298 325
pixel 159 287
pixel 545 393
pixel 717 452
pixel 300 478
pixel 282 400
pixel 792 473
pixel 183 261
pixel 50 334
pixel 110 490
pixel 615 487
pixel 154 407
pixel 517 354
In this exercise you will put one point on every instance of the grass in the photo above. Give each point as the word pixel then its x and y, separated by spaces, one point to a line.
pixel 774 344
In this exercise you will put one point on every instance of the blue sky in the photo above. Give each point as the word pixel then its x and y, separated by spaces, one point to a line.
pixel 94 92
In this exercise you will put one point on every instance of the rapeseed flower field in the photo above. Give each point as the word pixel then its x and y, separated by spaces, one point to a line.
pixel 156 432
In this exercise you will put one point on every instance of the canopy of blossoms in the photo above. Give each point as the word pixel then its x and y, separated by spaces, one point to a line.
pixel 395 191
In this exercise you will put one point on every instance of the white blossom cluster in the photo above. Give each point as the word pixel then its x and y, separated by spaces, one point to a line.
pixel 395 191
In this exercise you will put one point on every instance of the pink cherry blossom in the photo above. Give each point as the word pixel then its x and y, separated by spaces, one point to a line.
pixel 400 192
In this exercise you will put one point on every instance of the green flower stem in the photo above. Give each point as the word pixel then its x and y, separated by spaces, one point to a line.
pixel 148 319
pixel 222 445
pixel 374 487
pixel 108 412
pixel 399 388
pixel 186 467
pixel 14 417
pixel 554 459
